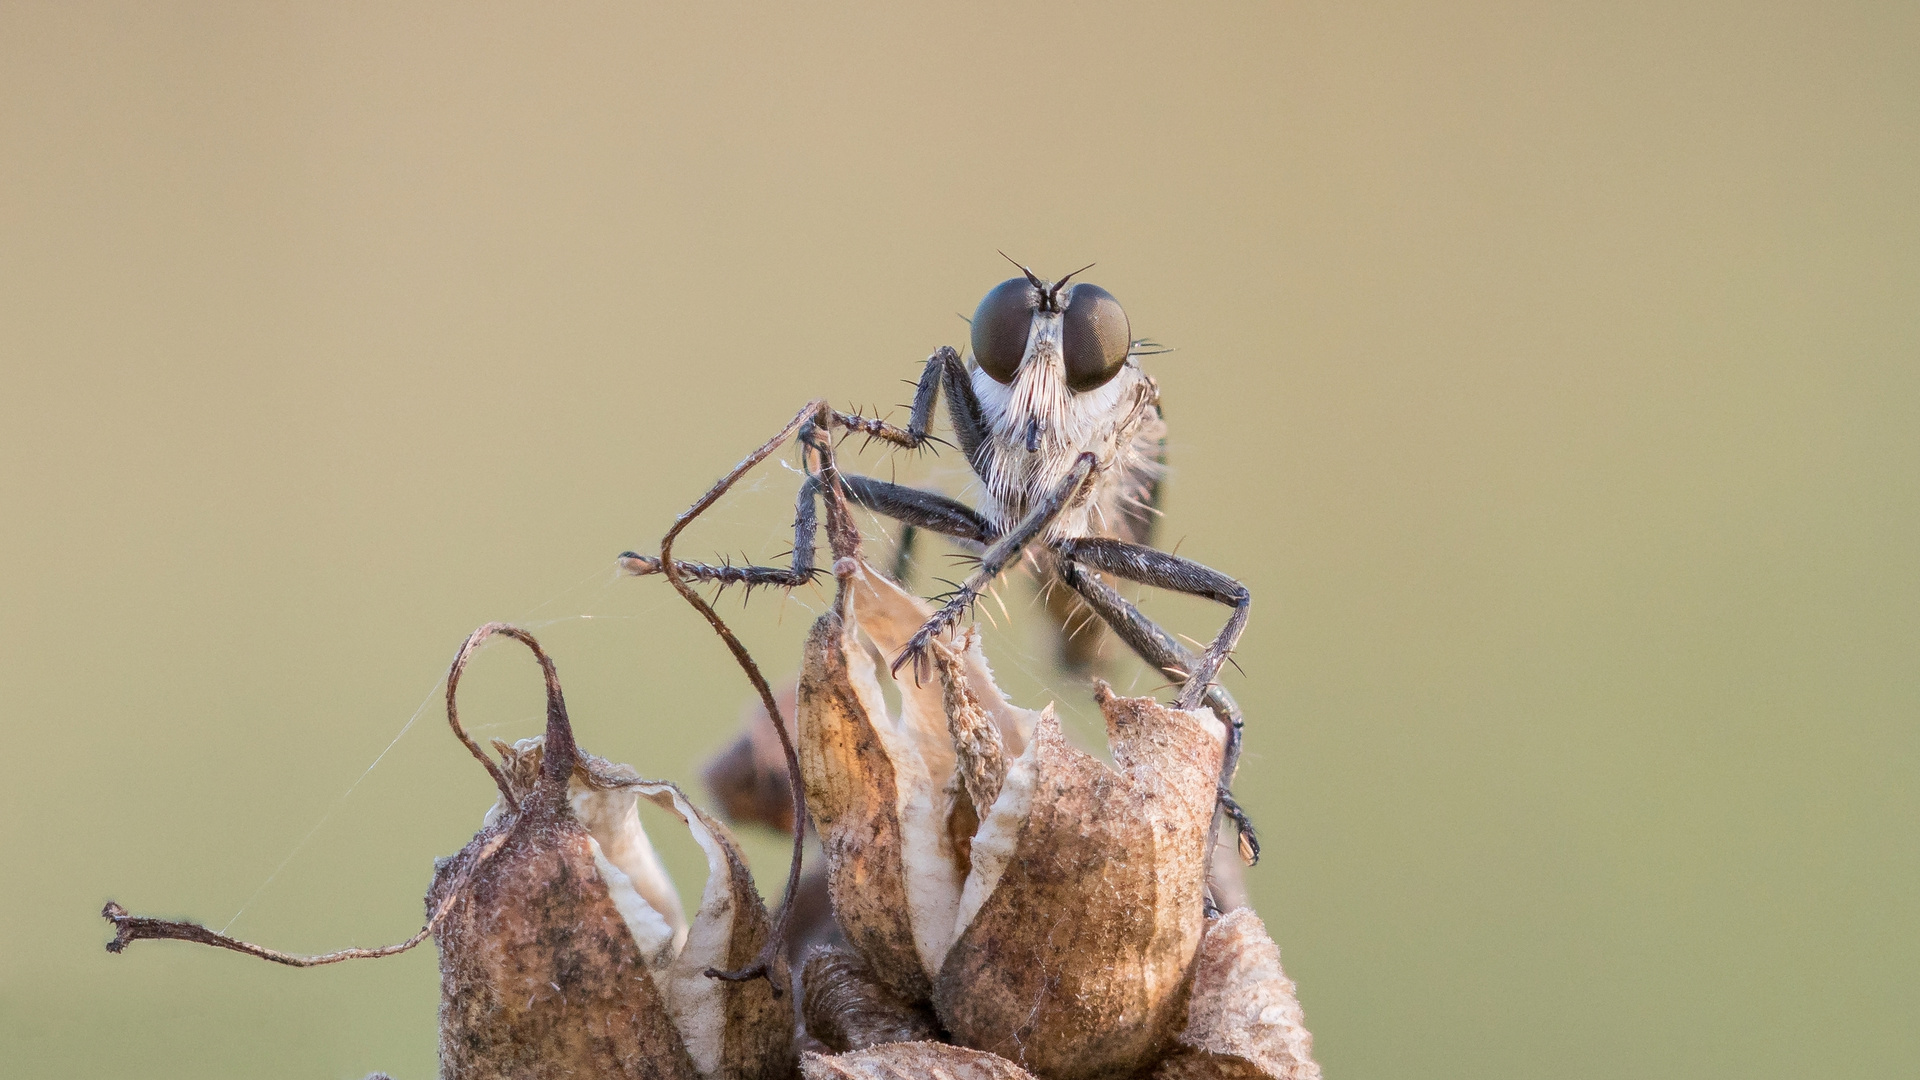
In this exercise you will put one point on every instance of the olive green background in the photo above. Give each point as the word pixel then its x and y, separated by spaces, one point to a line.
pixel 1549 374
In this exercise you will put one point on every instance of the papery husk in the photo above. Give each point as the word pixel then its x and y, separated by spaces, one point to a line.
pixel 732 1030
pixel 1243 1018
pixel 874 784
pixel 846 1008
pixel 1059 934
pixel 1083 910
pixel 540 976
pixel 623 853
pixel 911 1061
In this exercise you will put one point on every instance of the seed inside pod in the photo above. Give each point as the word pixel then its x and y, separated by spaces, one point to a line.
pixel 847 1009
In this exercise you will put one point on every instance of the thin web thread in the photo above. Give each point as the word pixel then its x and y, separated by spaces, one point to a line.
pixel 404 728
pixel 328 816
pixel 736 517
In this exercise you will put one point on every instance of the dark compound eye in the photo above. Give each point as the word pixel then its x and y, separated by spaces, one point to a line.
pixel 1094 336
pixel 1000 326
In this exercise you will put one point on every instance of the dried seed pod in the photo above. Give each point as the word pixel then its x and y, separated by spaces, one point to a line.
pixel 729 1029
pixel 889 866
pixel 874 784
pixel 911 1061
pixel 846 1008
pixel 573 956
pixel 732 1029
pixel 1083 909
pixel 563 950
pixel 1080 887
pixel 623 853
pixel 539 974
pixel 1243 1019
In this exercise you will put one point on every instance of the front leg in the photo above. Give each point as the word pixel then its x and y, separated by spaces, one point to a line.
pixel 1003 553
pixel 944 370
pixel 800 571
pixel 928 510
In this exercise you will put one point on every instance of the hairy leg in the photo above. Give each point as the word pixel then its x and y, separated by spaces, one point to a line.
pixel 944 370
pixel 928 510
pixel 1003 551
pixel 799 572
pixel 1151 566
pixel 1164 651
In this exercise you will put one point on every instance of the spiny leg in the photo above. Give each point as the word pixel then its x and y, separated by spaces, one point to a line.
pixel 770 961
pixel 917 510
pixel 798 573
pixel 1004 550
pixel 920 509
pixel 1164 651
pixel 1083 631
pixel 944 370
pixel 1151 566
pixel 1146 638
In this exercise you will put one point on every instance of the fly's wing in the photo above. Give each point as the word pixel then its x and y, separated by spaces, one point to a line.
pixel 1131 512
pixel 1139 501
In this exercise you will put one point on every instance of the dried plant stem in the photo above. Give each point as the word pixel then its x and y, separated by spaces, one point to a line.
pixel 557 767
pixel 773 953
pixel 131 928
pixel 812 424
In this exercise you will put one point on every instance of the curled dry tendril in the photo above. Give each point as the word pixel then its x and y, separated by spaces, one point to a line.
pixel 561 754
pixel 812 424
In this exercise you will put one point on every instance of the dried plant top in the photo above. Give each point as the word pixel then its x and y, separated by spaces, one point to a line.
pixel 564 950
pixel 1002 903
pixel 1034 901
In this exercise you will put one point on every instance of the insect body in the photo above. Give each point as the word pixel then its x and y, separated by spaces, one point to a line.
pixel 1041 411
pixel 1063 429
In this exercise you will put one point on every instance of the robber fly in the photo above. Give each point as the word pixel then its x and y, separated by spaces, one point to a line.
pixel 1063 428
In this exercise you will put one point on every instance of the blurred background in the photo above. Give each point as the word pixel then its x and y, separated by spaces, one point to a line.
pixel 1549 374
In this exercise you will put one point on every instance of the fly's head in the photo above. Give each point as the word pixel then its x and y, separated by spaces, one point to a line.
pixel 1055 374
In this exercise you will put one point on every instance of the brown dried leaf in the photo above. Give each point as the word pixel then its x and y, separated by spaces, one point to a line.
pixel 911 1061
pixel 1243 1020
pixel 1083 909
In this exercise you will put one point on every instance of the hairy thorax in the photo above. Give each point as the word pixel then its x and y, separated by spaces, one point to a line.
pixel 1039 429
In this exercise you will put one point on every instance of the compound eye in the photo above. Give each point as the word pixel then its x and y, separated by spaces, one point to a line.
pixel 1000 326
pixel 1095 338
